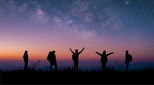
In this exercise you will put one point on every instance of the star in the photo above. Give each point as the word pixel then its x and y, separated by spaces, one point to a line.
pixel 126 2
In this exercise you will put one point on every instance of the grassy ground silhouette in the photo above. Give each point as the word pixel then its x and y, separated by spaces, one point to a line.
pixel 69 76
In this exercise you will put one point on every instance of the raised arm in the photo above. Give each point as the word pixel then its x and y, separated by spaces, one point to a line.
pixel 81 51
pixel 109 53
pixel 71 50
pixel 99 53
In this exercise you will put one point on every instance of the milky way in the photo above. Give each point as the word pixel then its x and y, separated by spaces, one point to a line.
pixel 43 25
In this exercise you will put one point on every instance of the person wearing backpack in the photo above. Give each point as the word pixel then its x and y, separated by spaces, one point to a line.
pixel 75 58
pixel 52 59
pixel 128 59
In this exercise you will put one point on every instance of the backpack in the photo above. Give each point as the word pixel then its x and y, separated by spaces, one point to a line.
pixel 48 58
pixel 130 58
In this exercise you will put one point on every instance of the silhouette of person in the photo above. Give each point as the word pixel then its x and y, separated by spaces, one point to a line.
pixel 52 59
pixel 25 57
pixel 104 59
pixel 75 58
pixel 128 59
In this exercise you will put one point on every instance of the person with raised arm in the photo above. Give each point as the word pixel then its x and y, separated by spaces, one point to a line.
pixel 75 58
pixel 104 59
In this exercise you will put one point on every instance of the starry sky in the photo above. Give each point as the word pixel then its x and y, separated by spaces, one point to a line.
pixel 43 25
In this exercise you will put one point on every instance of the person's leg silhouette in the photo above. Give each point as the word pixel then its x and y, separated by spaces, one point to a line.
pixel 56 67
pixel 26 65
pixel 103 66
pixel 127 67
pixel 50 67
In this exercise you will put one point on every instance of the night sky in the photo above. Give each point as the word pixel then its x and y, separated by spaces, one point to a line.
pixel 43 25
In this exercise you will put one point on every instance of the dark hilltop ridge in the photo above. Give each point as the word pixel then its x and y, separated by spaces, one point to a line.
pixel 69 76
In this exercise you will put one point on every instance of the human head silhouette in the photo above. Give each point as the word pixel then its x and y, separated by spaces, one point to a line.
pixel 104 52
pixel 53 51
pixel 126 51
pixel 50 52
pixel 76 50
pixel 26 51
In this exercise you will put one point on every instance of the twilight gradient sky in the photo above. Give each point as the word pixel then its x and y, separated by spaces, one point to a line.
pixel 43 25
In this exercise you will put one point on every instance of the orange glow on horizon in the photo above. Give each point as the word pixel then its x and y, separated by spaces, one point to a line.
pixel 15 50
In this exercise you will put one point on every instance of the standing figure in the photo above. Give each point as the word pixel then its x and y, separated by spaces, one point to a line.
pixel 52 59
pixel 75 58
pixel 128 59
pixel 25 57
pixel 104 58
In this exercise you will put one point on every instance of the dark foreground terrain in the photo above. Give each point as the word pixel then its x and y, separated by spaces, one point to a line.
pixel 70 77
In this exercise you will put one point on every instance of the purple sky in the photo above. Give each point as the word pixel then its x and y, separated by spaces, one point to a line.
pixel 43 25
